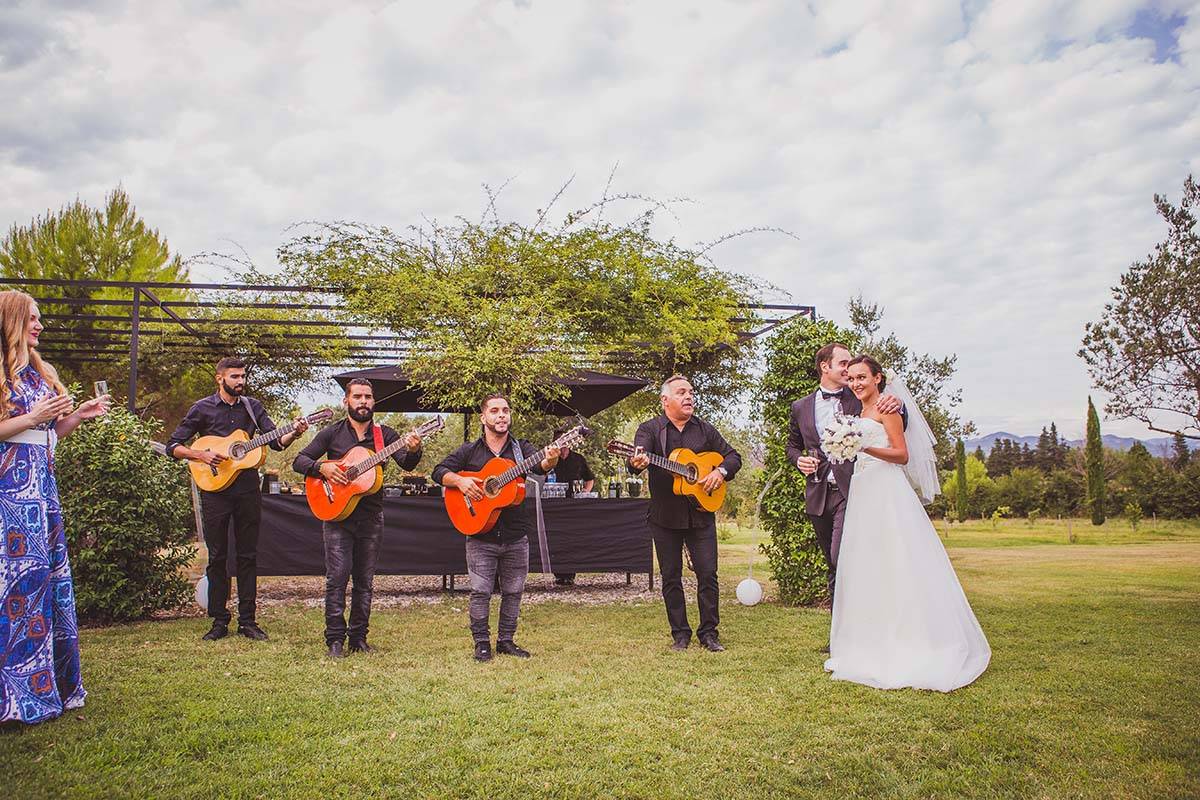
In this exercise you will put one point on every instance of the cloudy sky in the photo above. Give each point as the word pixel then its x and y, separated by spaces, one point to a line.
pixel 983 170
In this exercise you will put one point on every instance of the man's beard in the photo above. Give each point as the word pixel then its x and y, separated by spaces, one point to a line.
pixel 229 390
pixel 361 414
pixel 493 428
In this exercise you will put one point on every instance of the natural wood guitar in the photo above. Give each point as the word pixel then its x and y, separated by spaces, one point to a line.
pixel 241 453
pixel 503 486
pixel 689 468
pixel 333 502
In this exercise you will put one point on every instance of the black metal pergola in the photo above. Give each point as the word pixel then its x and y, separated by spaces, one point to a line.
pixel 191 324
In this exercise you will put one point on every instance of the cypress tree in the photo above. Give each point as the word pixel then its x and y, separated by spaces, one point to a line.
pixel 1093 455
pixel 960 481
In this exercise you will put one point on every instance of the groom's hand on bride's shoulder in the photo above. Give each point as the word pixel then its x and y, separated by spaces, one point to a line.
pixel 888 404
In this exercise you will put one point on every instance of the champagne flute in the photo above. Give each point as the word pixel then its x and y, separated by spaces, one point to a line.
pixel 100 388
pixel 815 477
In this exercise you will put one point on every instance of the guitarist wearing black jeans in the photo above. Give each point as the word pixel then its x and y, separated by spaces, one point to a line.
pixel 221 414
pixel 352 544
pixel 675 521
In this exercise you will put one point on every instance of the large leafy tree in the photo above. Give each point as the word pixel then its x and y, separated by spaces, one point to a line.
pixel 113 243
pixel 1145 349
pixel 504 305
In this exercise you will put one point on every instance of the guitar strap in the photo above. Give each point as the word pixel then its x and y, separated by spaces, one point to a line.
pixel 250 410
pixel 537 504
pixel 377 434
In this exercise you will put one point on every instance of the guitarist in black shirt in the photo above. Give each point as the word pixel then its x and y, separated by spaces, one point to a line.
pixel 675 521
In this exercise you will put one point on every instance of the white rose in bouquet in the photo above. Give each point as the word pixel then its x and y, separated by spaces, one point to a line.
pixel 842 439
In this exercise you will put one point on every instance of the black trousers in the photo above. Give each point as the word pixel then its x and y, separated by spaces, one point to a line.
pixel 701 543
pixel 828 528
pixel 351 549
pixel 245 510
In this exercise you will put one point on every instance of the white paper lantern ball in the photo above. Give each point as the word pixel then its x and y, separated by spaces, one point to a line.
pixel 202 592
pixel 749 592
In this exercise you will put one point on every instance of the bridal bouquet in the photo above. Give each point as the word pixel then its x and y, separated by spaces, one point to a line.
pixel 843 439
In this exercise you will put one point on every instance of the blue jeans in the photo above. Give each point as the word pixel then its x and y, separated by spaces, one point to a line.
pixel 351 548
pixel 487 561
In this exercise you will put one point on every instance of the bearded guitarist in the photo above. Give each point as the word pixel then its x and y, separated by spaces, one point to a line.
pixel 352 544
pixel 502 553
pixel 220 414
pixel 674 520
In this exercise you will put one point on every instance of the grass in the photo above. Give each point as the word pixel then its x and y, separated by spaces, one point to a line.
pixel 1092 692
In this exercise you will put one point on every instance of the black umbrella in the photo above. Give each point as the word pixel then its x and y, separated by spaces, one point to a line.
pixel 590 392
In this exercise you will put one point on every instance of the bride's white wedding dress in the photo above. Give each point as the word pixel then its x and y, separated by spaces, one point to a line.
pixel 900 618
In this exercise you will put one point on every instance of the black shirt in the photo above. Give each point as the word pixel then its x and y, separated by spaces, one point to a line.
pixel 659 435
pixel 572 468
pixel 212 416
pixel 513 523
pixel 338 439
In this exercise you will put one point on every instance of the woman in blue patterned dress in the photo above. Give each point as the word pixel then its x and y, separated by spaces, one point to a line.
pixel 39 640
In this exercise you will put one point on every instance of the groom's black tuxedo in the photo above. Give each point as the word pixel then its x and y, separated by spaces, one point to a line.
pixel 803 435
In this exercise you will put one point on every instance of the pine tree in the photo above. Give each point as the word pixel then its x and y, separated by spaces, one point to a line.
pixel 1060 448
pixel 1182 454
pixel 1094 459
pixel 1044 454
pixel 979 456
pixel 961 498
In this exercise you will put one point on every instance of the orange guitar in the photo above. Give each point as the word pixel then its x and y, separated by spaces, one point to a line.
pixel 242 451
pixel 503 486
pixel 332 502
pixel 688 467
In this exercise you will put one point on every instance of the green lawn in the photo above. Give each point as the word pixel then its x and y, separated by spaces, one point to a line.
pixel 1093 691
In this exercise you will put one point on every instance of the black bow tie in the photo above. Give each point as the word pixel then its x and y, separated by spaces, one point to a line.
pixel 827 395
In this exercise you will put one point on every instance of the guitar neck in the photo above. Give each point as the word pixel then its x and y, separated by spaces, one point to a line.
pixel 379 458
pixel 662 462
pixel 267 438
pixel 517 470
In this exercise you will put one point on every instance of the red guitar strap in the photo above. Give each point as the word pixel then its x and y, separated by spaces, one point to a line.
pixel 378 434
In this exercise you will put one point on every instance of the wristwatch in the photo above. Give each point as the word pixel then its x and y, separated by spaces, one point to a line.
pixel 724 472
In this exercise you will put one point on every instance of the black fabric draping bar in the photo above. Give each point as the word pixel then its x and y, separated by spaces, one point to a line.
pixel 584 535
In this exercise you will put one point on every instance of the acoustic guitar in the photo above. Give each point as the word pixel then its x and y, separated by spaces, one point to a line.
pixel 242 453
pixel 332 502
pixel 503 486
pixel 689 468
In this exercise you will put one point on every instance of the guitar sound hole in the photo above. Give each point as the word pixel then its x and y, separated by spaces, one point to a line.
pixel 692 474
pixel 237 451
pixel 490 487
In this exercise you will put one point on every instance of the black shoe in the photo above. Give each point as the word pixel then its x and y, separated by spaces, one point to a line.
pixel 361 647
pixel 564 581
pixel 712 644
pixel 251 631
pixel 483 651
pixel 511 648
pixel 681 643
pixel 219 630
pixel 336 650
pixel 825 650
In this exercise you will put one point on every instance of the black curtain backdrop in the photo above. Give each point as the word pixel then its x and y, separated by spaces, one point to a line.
pixel 584 535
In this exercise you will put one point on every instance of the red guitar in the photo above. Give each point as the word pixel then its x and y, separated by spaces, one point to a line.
pixel 503 486
pixel 333 502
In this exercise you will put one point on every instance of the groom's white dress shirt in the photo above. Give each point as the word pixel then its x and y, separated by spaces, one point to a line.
pixel 823 409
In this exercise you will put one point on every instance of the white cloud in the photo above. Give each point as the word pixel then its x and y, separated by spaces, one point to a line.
pixel 984 170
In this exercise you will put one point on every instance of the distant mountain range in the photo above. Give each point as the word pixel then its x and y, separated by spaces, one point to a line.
pixel 1159 446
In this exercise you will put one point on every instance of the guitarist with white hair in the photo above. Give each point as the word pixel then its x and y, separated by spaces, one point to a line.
pixel 676 521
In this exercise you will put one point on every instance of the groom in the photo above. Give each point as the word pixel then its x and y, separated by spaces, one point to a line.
pixel 825 495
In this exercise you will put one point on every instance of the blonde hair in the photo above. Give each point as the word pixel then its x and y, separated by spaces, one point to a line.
pixel 15 352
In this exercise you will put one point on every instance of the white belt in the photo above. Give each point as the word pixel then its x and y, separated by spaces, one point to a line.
pixel 46 438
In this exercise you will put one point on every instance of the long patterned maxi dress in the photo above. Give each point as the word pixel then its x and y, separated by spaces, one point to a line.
pixel 39 666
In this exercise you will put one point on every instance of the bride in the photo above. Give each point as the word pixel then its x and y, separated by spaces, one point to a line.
pixel 900 618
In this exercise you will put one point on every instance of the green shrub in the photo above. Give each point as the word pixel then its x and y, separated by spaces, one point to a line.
pixel 1133 513
pixel 128 517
